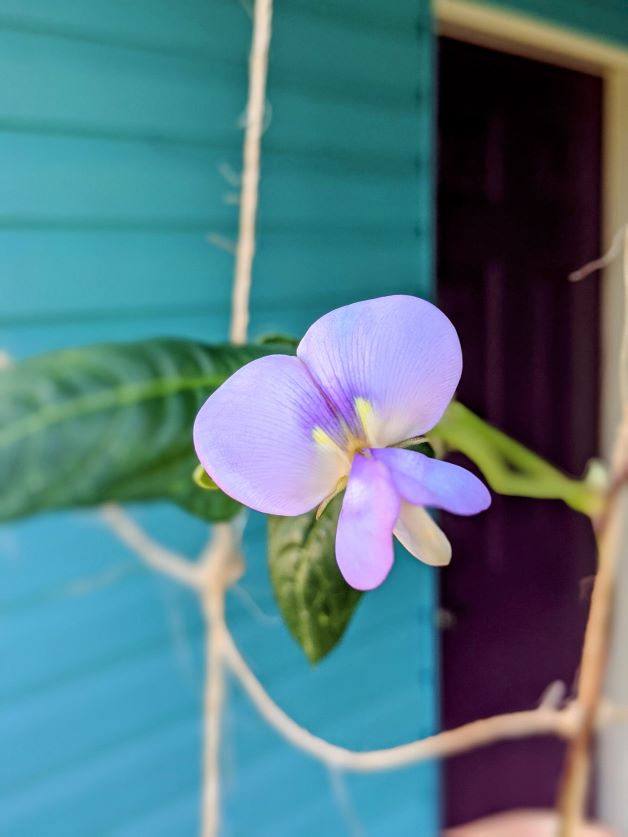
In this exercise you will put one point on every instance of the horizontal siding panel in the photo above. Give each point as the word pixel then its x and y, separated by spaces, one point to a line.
pixel 206 325
pixel 140 24
pixel 197 98
pixel 92 748
pixel 363 127
pixel 150 24
pixel 48 79
pixel 109 272
pixel 57 178
pixel 166 818
pixel 307 49
pixel 74 738
pixel 115 121
pixel 58 571
pixel 140 600
pixel 104 617
pixel 104 792
pixel 113 273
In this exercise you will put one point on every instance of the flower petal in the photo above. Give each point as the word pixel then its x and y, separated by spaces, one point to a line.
pixel 430 482
pixel 421 536
pixel 256 437
pixel 390 365
pixel 364 544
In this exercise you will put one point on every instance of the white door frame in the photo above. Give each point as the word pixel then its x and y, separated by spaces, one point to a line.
pixel 533 38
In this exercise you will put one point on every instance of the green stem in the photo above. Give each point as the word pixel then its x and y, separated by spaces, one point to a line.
pixel 508 466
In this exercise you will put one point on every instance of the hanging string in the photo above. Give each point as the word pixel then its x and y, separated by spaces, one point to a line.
pixel 225 550
pixel 249 197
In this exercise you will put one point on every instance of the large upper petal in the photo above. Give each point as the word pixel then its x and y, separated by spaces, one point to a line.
pixel 431 482
pixel 421 536
pixel 364 543
pixel 254 437
pixel 391 363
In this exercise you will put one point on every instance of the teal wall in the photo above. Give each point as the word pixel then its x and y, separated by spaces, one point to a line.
pixel 607 19
pixel 116 119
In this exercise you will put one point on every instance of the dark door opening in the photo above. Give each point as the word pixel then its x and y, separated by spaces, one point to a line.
pixel 518 209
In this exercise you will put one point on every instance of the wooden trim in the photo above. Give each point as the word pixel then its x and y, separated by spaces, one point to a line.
pixel 532 38
pixel 613 750
pixel 615 214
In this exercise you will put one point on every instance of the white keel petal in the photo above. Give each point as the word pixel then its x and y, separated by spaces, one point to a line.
pixel 421 536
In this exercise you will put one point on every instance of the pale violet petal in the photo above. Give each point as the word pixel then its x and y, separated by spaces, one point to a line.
pixel 421 536
pixel 431 482
pixel 265 438
pixel 364 543
pixel 390 365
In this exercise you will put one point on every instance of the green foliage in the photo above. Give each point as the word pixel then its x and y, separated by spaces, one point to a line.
pixel 508 466
pixel 315 601
pixel 81 427
pixel 421 447
pixel 113 422
pixel 284 340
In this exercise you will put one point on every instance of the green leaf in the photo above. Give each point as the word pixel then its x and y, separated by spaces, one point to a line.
pixel 113 422
pixel 314 599
pixel 279 340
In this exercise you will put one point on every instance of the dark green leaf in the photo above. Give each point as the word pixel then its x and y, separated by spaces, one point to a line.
pixel 287 342
pixel 421 447
pixel 314 599
pixel 113 422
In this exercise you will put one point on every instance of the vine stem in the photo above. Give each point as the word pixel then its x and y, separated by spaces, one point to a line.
pixel 542 721
pixel 575 781
pixel 221 565
pixel 577 769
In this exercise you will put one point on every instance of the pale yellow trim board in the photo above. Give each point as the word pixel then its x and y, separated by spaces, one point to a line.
pixel 521 34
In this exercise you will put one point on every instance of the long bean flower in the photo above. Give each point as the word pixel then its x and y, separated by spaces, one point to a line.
pixel 284 434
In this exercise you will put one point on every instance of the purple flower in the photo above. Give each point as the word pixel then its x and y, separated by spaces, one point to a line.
pixel 283 434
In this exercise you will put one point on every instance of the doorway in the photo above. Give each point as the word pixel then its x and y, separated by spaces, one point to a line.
pixel 519 197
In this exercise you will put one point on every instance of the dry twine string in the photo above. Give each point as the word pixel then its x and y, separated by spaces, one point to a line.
pixel 245 248
pixel 220 566
pixel 224 558
pixel 608 529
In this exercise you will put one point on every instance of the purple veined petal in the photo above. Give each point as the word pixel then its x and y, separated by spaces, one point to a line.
pixel 430 482
pixel 256 438
pixel 422 537
pixel 390 365
pixel 364 543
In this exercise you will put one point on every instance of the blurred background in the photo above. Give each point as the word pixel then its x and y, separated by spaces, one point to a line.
pixel 474 154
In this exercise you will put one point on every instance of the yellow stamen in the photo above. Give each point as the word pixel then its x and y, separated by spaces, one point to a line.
pixel 321 437
pixel 365 412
